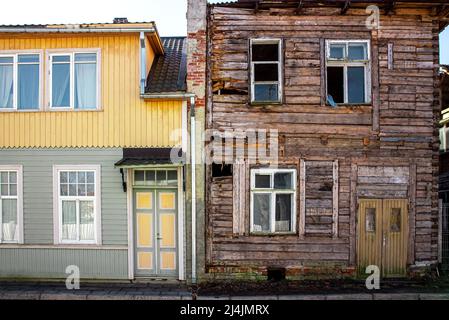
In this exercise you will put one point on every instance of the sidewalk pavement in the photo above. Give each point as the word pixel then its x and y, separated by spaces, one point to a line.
pixel 176 291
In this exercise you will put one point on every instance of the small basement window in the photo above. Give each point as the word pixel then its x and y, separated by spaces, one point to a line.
pixel 221 170
pixel 266 86
pixel 348 72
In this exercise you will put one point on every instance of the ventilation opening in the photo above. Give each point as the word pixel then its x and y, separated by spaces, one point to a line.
pixel 221 170
pixel 276 274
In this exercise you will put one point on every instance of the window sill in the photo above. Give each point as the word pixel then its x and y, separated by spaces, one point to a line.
pixel 265 103
pixel 272 234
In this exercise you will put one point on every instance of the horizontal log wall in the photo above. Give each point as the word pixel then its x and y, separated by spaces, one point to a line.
pixel 398 129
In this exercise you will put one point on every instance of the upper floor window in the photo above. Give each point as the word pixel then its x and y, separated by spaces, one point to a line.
pixel 348 72
pixel 444 138
pixel 11 204
pixel 74 80
pixel 273 199
pixel 20 81
pixel 266 71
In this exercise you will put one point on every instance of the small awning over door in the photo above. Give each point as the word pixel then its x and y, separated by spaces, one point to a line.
pixel 136 157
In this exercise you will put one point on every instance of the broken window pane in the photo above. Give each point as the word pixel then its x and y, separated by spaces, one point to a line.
pixel 265 52
pixel 266 92
pixel 283 180
pixel 370 216
pixel 263 181
pixel 266 72
pixel 283 212
pixel 261 212
pixel 335 86
pixel 356 84
pixel 357 52
pixel 395 220
pixel 337 51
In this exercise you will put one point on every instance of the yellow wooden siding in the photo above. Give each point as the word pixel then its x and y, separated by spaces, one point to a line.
pixel 125 120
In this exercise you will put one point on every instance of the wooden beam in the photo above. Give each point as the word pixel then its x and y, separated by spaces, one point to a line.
pixel 345 7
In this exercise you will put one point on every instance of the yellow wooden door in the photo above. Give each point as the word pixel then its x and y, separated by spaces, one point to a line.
pixel 395 237
pixel 369 239
pixel 382 236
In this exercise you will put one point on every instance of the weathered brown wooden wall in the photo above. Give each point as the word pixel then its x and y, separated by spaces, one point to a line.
pixel 398 129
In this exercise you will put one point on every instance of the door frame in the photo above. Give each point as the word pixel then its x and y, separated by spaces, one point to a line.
pixel 357 231
pixel 180 219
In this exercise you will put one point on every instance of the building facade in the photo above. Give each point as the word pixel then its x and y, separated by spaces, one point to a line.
pixel 93 143
pixel 343 100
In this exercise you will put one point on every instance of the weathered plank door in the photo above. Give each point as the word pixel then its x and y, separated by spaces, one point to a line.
pixel 382 236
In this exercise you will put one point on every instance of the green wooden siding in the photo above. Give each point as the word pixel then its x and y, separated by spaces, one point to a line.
pixel 52 263
pixel 38 190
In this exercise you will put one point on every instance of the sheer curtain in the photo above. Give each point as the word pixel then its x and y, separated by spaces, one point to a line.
pixel 28 86
pixel 61 85
pixel 69 220
pixel 6 86
pixel 9 219
pixel 85 85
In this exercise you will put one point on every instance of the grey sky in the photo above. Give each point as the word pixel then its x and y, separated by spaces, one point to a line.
pixel 169 15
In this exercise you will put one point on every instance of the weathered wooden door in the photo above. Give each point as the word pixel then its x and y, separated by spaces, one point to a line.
pixel 383 235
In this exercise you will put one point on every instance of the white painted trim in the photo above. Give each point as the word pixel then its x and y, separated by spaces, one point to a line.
pixel 184 131
pixel 280 64
pixel 356 63
pixel 57 223
pixel 15 54
pixel 19 170
pixel 71 52
pixel 273 193
pixel 130 209
pixel 181 226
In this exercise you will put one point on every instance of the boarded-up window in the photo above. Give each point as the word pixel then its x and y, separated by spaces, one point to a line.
pixel 319 198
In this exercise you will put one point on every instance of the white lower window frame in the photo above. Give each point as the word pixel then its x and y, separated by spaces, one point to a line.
pixel 19 170
pixel 273 193
pixel 57 204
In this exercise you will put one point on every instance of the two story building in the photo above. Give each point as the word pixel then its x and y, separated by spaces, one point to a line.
pixel 342 99
pixel 93 142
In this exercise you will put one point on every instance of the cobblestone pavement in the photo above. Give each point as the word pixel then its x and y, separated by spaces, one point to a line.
pixel 175 291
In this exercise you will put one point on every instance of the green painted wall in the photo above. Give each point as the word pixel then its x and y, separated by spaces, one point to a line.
pixel 52 263
pixel 38 217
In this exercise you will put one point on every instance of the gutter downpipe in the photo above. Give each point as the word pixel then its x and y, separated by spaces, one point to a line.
pixel 193 173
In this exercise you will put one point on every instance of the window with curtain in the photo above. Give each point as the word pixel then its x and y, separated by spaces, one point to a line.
pixel 347 72
pixel 77 205
pixel 74 81
pixel 273 198
pixel 9 200
pixel 23 70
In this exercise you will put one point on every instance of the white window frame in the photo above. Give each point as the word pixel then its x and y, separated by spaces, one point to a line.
pixel 277 41
pixel 57 204
pixel 19 170
pixel 15 54
pixel 273 193
pixel 71 52
pixel 353 63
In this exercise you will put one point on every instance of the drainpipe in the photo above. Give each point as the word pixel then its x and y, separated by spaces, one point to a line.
pixel 143 66
pixel 193 173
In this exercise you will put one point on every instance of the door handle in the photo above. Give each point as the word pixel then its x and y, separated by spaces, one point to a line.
pixel 158 237
pixel 384 240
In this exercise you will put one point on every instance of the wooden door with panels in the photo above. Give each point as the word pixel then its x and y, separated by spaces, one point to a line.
pixel 382 236
pixel 156 232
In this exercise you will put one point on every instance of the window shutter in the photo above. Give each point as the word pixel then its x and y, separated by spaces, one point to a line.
pixel 240 185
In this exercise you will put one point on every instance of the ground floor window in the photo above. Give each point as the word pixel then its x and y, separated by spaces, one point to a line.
pixel 273 199
pixel 10 204
pixel 78 204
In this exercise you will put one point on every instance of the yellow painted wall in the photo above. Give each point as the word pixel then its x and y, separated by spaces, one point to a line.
pixel 125 120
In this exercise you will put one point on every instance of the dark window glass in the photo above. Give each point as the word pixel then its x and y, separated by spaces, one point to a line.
pixel 261 212
pixel 370 216
pixel 266 92
pixel 395 220
pixel 356 84
pixel 335 86
pixel 262 181
pixel 283 212
pixel 265 52
pixel 283 180
pixel 266 72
